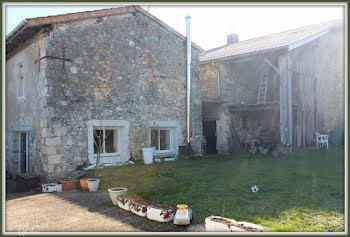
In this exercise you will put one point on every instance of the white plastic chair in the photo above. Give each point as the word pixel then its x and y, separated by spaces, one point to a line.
pixel 322 139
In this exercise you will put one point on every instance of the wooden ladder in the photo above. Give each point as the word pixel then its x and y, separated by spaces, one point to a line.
pixel 263 86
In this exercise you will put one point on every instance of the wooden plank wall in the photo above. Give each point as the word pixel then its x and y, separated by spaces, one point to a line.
pixel 286 113
pixel 305 63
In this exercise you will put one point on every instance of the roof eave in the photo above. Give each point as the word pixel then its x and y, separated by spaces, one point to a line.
pixel 244 55
pixel 18 29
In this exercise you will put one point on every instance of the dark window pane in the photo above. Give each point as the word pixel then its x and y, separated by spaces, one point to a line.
pixel 111 141
pixel 164 139
pixel 154 138
pixel 98 139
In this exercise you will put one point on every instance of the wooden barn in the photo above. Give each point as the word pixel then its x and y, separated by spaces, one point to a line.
pixel 277 89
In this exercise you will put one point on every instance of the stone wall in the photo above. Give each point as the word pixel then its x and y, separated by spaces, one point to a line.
pixel 237 82
pixel 332 84
pixel 125 68
pixel 262 126
pixel 25 114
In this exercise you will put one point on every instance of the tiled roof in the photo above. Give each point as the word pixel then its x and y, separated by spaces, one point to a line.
pixel 264 43
pixel 31 26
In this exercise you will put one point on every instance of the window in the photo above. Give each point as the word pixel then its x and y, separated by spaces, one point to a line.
pixel 161 139
pixel 105 138
pixel 20 81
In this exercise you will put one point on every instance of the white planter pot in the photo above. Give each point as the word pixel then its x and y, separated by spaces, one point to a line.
pixel 51 187
pixel 147 155
pixel 249 226
pixel 140 211
pixel 93 184
pixel 139 207
pixel 115 192
pixel 160 213
pixel 213 226
pixel 59 187
pixel 230 225
pixel 125 206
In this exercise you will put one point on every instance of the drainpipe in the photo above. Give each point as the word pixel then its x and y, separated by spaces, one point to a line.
pixel 188 37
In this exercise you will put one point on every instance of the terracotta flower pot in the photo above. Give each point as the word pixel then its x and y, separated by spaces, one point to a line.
pixel 84 184
pixel 68 184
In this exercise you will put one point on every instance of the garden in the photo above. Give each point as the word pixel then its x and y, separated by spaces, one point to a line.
pixel 301 191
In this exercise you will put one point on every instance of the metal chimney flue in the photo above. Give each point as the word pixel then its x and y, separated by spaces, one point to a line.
pixel 188 51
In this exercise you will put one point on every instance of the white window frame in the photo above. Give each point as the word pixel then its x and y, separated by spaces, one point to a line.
pixel 104 128
pixel 20 79
pixel 175 134
pixel 158 138
pixel 123 141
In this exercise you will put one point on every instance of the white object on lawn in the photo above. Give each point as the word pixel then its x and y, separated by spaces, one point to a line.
pixel 223 224
pixel 147 155
pixel 169 159
pixel 214 226
pixel 322 139
pixel 160 214
pixel 183 215
pixel 115 192
pixel 254 189
pixel 93 184
pixel 141 212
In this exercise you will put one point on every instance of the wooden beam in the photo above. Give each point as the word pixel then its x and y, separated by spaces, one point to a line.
pixel 269 63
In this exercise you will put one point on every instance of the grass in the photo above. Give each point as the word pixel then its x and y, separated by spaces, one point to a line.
pixel 300 192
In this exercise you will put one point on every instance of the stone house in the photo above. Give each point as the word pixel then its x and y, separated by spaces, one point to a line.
pixel 278 89
pixel 120 72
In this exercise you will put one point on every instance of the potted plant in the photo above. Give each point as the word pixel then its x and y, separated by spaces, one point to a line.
pixel 68 183
pixel 139 206
pixel 160 212
pixel 124 201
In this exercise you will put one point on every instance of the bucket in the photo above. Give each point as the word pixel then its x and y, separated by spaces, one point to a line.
pixel 147 155
pixel 115 192
pixel 93 184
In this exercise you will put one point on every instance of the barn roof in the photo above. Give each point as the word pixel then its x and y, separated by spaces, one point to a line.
pixel 28 28
pixel 287 39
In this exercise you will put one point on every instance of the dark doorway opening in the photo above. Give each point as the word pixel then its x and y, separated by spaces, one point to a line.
pixel 24 152
pixel 209 132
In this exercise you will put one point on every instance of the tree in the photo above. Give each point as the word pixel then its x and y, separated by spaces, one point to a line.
pixel 99 140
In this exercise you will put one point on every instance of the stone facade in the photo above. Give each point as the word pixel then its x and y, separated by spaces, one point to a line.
pixel 331 91
pixel 126 72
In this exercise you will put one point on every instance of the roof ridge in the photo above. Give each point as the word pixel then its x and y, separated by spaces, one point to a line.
pixel 73 13
pixel 276 33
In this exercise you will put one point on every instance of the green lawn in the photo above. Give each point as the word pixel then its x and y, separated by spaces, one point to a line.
pixel 300 192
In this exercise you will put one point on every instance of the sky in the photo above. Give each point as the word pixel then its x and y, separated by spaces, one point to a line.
pixel 210 25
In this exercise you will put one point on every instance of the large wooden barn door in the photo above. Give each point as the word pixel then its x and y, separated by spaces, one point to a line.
pixel 305 64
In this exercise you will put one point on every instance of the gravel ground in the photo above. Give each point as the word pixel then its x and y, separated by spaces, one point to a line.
pixel 74 211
